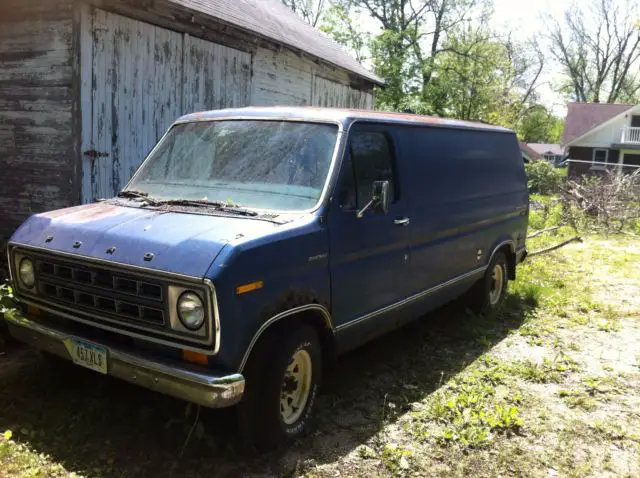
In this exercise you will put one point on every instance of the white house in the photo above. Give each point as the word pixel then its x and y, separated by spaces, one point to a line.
pixel 601 136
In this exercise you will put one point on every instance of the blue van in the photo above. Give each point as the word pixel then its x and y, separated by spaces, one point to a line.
pixel 252 245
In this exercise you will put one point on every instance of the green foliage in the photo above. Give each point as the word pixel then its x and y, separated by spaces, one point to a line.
pixel 7 304
pixel 539 125
pixel 474 79
pixel 577 398
pixel 469 412
pixel 548 371
pixel 339 24
pixel 395 458
pixel 543 178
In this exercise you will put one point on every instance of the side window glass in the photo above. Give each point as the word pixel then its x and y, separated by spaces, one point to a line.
pixel 347 191
pixel 371 155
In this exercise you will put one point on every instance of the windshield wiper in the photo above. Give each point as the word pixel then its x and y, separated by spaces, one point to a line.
pixel 219 206
pixel 128 193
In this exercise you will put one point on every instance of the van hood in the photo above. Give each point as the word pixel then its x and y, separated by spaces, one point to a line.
pixel 179 242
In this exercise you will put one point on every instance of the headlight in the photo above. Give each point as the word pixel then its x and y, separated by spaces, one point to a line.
pixel 26 272
pixel 191 310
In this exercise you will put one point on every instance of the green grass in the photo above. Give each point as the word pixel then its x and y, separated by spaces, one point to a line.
pixel 19 460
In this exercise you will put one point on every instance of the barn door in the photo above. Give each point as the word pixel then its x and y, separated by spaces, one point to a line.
pixel 134 96
pixel 136 80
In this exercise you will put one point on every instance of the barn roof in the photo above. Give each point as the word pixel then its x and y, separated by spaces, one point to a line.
pixel 272 20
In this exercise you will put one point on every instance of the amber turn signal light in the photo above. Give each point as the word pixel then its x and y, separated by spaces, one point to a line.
pixel 249 287
pixel 195 357
pixel 32 310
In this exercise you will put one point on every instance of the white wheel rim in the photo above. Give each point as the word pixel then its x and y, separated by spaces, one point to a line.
pixel 296 386
pixel 497 284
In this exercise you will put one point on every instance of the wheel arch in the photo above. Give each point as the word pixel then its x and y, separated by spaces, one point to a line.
pixel 508 247
pixel 315 315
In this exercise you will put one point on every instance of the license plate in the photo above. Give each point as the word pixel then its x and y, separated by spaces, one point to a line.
pixel 89 355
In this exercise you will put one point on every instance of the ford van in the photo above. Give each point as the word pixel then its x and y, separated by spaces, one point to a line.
pixel 253 245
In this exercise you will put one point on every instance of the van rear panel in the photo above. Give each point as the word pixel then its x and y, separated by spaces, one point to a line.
pixel 466 193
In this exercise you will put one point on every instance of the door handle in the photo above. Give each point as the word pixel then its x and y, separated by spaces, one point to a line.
pixel 403 221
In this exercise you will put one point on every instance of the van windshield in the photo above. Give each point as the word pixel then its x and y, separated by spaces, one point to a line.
pixel 281 165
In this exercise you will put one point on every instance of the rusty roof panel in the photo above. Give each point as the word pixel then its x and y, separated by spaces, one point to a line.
pixel 272 20
pixel 340 115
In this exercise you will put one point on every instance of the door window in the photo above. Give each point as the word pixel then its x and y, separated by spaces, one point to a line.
pixel 370 159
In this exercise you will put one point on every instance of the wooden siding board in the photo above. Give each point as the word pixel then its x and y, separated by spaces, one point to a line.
pixel 215 76
pixel 284 78
pixel 36 79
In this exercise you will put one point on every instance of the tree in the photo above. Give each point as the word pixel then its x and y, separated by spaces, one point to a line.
pixel 411 37
pixel 481 76
pixel 338 23
pixel 310 11
pixel 539 125
pixel 598 48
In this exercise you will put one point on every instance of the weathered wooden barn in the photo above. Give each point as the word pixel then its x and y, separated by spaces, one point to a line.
pixel 88 86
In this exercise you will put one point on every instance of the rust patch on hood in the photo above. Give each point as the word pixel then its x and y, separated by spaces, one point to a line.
pixel 85 213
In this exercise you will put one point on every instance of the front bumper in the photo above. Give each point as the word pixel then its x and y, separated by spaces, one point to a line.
pixel 203 388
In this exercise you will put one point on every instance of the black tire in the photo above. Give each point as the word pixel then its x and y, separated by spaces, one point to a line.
pixel 260 422
pixel 479 296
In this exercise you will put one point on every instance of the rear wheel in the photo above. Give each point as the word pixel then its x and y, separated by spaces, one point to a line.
pixel 282 380
pixel 488 294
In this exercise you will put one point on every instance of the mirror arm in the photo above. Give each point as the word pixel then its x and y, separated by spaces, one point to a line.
pixel 361 212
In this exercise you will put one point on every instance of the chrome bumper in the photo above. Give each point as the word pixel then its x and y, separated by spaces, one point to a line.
pixel 210 390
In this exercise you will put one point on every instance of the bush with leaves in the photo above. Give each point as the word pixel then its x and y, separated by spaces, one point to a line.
pixel 7 306
pixel 6 300
pixel 608 204
pixel 543 177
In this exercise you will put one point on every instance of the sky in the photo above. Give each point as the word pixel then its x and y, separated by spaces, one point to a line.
pixel 524 19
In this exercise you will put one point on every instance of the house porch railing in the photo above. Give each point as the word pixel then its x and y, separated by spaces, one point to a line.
pixel 630 135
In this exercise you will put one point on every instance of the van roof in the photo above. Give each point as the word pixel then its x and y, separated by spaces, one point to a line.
pixel 336 115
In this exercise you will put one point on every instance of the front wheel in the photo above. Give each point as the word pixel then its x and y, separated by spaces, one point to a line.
pixel 488 294
pixel 282 380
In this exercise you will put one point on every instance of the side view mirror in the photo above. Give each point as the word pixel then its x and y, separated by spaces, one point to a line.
pixel 379 198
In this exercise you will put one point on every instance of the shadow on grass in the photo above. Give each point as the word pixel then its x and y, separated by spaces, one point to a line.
pixel 99 426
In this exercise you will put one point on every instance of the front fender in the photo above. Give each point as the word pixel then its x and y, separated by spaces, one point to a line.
pixel 293 267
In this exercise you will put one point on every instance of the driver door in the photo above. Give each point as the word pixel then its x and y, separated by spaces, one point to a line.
pixel 369 256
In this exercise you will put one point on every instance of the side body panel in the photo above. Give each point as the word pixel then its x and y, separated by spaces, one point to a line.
pixel 292 264
pixel 467 193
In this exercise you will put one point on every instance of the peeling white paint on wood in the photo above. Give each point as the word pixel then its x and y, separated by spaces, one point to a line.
pixel 142 78
pixel 284 78
pixel 332 94
pixel 215 76
pixel 135 96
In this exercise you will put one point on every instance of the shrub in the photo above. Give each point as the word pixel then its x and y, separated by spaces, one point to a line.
pixel 543 177
pixel 6 300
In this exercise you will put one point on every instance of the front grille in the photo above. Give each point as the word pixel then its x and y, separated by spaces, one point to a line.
pixel 100 290
pixel 117 298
